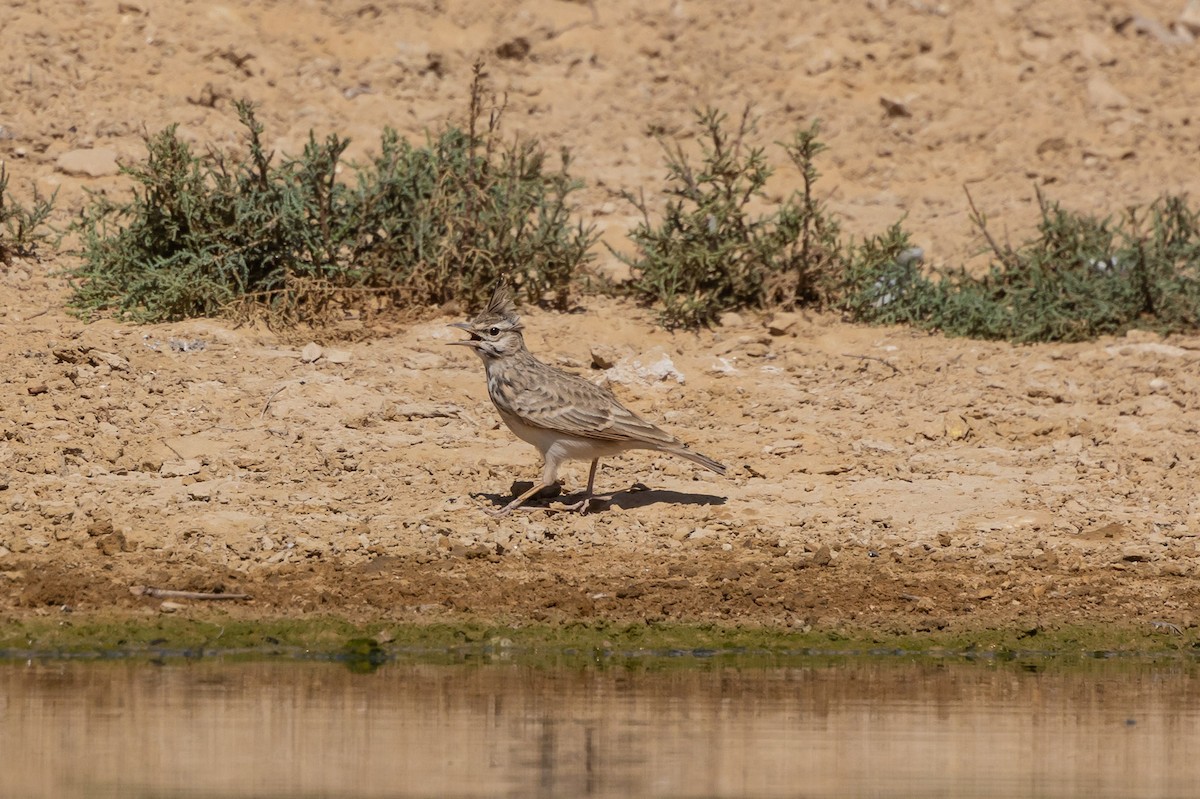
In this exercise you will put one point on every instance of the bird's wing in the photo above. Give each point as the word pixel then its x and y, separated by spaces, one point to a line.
pixel 567 403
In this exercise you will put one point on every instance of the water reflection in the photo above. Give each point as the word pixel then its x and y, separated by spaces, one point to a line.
pixel 221 729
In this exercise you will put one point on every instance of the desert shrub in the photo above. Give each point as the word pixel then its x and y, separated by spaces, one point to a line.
pixel 709 254
pixel 881 282
pixel 22 228
pixel 207 233
pixel 449 220
pixel 1080 277
pixel 202 231
pixel 1083 276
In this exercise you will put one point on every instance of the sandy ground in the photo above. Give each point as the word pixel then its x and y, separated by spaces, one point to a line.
pixel 879 478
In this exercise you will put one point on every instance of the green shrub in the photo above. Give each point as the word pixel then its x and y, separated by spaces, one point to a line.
pixel 881 282
pixel 1080 277
pixel 449 220
pixel 708 255
pixel 418 226
pixel 21 228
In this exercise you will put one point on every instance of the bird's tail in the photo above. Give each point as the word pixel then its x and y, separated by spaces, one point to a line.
pixel 696 457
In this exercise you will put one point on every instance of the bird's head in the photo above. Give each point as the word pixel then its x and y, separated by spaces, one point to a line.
pixel 496 330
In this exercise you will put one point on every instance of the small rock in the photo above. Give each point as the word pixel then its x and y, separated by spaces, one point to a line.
pixel 1095 50
pixel 200 492
pixel 631 591
pixel 70 354
pixel 515 50
pixel 311 352
pixel 1036 390
pixel 110 545
pixel 111 359
pixel 1145 26
pixel 57 512
pixel 615 271
pixel 722 366
pixel 180 468
pixel 1035 49
pixel 1052 146
pixel 1189 18
pixel 823 556
pixel 603 356
pixel 339 356
pixel 632 371
pixel 150 463
pixel 1135 555
pixel 187 345
pixel 730 319
pixel 895 108
pixel 100 524
pixel 171 607
pixel 731 345
pixel 819 63
pixel 956 427
pixel 1103 95
pixel 358 421
pixel 481 550
pixel 97 163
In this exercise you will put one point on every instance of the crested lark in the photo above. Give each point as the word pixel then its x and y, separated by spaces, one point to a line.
pixel 563 415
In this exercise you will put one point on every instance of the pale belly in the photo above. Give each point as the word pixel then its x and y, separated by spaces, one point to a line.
pixel 556 446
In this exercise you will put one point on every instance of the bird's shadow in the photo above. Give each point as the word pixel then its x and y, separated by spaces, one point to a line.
pixel 636 496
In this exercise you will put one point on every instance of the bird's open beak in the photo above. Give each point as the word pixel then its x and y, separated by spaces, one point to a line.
pixel 471 342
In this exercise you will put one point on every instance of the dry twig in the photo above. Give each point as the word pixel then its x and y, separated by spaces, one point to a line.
pixel 1005 254
pixel 895 369
pixel 274 394
pixel 167 593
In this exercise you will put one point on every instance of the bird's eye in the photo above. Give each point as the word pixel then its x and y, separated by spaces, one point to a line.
pixel 494 331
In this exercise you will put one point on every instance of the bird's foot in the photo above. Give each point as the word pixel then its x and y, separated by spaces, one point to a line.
pixel 582 507
pixel 519 503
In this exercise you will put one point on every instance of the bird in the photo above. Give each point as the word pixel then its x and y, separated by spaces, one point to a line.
pixel 561 414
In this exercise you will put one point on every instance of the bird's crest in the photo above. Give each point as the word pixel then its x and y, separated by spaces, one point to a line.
pixel 500 308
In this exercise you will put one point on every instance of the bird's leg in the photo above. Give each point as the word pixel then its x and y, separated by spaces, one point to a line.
pixel 518 502
pixel 549 478
pixel 583 505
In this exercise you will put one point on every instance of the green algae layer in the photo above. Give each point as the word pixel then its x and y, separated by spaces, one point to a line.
pixel 99 636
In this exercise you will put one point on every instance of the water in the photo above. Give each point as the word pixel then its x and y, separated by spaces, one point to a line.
pixel 215 728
